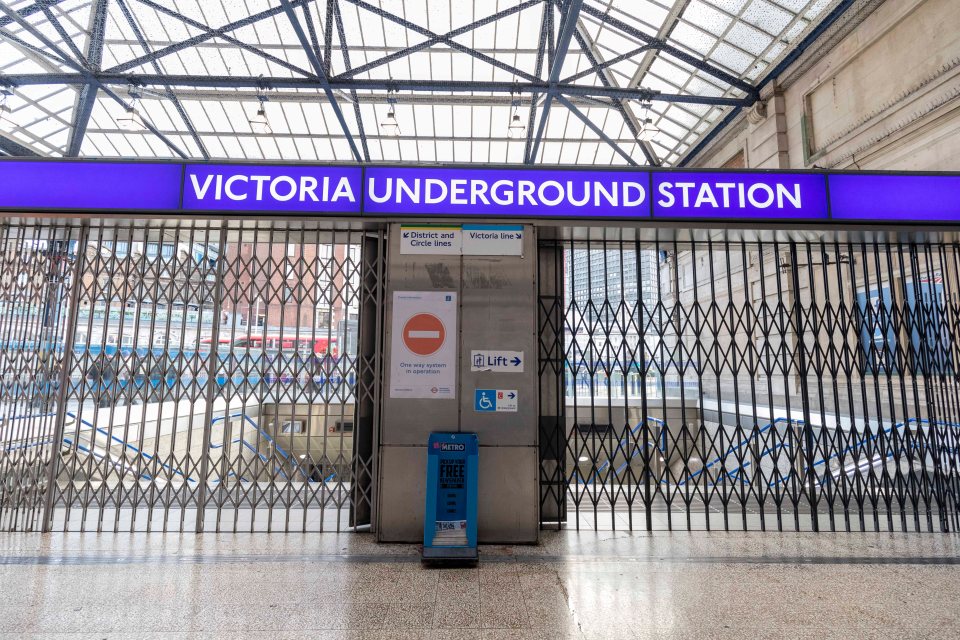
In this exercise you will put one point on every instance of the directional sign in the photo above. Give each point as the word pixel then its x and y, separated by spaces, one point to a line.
pixel 493 240
pixel 496 360
pixel 467 240
pixel 431 239
pixel 495 400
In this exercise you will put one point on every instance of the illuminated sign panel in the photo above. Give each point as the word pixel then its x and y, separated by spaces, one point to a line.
pixel 303 189
pixel 104 186
pixel 507 192
pixel 478 192
pixel 793 196
pixel 898 198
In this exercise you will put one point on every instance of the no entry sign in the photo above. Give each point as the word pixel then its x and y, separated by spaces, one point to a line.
pixel 423 353
pixel 424 334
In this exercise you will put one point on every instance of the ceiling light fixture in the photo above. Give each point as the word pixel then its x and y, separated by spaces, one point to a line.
pixel 132 120
pixel 648 130
pixel 516 130
pixel 259 122
pixel 390 127
pixel 5 110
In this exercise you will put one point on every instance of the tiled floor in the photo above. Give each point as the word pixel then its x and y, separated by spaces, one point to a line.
pixel 574 585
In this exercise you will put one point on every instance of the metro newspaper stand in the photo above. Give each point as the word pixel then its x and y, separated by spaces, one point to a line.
pixel 450 516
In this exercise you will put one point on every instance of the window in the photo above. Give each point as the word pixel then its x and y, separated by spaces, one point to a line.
pixel 292 426
pixel 323 317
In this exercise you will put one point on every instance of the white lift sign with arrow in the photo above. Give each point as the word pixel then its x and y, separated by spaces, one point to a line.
pixel 496 360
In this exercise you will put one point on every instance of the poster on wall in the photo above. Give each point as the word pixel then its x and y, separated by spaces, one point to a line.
pixel 423 348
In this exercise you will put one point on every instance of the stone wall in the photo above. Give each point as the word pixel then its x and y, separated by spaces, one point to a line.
pixel 882 97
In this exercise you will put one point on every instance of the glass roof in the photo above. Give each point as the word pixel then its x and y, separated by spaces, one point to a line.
pixel 487 81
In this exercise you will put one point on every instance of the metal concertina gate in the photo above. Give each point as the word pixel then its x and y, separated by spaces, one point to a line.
pixel 188 377
pixel 750 385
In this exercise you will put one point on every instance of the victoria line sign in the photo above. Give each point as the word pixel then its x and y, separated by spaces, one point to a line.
pixel 482 192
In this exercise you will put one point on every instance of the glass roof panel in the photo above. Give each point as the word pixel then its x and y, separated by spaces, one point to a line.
pixel 453 73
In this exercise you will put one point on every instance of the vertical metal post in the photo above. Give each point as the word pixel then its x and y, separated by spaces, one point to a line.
pixel 368 379
pixel 62 392
pixel 211 376
pixel 551 366
pixel 804 391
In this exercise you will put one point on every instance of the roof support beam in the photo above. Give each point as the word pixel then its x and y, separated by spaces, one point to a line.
pixel 453 86
pixel 606 65
pixel 383 13
pixel 589 48
pixel 321 76
pixel 11 147
pixel 546 29
pixel 209 34
pixel 44 58
pixel 597 130
pixel 445 38
pixel 87 96
pixel 683 56
pixel 52 19
pixel 669 24
pixel 568 26
pixel 156 67
pixel 345 52
pixel 26 12
pixel 328 36
pixel 87 76
pixel 522 100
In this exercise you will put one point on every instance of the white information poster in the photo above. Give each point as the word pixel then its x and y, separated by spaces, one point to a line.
pixel 423 348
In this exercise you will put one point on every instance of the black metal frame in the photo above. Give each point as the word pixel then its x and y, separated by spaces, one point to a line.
pixel 552 46
pixel 140 391
pixel 761 386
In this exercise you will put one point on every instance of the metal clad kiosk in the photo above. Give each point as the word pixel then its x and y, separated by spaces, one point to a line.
pixel 450 516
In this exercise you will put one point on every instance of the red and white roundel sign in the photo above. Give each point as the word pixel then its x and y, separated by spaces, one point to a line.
pixel 423 334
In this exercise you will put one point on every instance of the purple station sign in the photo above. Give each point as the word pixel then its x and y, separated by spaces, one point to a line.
pixel 287 188
pixel 506 192
pixel 107 186
pixel 899 198
pixel 732 196
pixel 476 192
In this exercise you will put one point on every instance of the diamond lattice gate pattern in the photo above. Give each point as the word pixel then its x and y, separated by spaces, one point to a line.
pixel 722 385
pixel 37 274
pixel 206 376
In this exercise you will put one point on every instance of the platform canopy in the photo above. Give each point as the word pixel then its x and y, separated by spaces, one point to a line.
pixel 488 81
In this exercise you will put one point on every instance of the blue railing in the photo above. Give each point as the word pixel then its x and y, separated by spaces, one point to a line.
pixel 736 473
pixel 138 453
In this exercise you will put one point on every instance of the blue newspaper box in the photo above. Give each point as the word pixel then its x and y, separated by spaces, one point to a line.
pixel 450 517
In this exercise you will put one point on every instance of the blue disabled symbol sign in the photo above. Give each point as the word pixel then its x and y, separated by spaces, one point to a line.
pixel 495 400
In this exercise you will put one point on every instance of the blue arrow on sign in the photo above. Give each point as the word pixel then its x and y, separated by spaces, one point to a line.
pixel 512 395
pixel 516 361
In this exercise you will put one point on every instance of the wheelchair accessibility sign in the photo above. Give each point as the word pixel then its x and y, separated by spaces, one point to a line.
pixel 495 400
